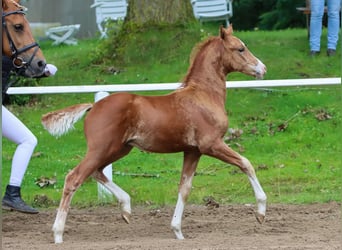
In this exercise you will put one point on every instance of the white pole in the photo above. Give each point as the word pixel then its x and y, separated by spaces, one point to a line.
pixel 103 193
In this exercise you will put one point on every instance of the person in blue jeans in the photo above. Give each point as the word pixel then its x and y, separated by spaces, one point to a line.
pixel 317 11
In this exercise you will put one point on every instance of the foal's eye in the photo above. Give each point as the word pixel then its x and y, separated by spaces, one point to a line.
pixel 18 27
pixel 242 49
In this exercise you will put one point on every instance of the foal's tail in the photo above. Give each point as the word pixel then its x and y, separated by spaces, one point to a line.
pixel 61 121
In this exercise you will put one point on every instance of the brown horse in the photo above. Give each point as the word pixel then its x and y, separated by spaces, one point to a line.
pixel 191 119
pixel 18 42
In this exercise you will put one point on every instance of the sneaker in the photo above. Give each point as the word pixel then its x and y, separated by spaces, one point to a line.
pixel 314 53
pixel 331 52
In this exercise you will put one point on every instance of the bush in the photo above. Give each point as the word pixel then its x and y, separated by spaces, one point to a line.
pixel 267 15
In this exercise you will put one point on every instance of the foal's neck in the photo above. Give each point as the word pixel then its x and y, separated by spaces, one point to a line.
pixel 207 71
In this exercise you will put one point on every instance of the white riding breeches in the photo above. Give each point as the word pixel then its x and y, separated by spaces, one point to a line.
pixel 14 130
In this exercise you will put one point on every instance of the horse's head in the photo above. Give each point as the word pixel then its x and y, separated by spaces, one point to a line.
pixel 18 42
pixel 237 57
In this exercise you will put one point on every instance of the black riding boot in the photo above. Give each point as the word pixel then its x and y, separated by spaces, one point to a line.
pixel 12 201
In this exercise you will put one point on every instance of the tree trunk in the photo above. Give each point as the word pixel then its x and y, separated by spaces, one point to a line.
pixel 159 11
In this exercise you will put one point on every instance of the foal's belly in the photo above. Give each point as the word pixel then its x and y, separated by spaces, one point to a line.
pixel 162 144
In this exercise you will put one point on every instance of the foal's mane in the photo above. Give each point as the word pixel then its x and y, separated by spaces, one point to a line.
pixel 198 48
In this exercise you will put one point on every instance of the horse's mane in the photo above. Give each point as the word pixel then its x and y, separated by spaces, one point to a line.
pixel 198 47
pixel 194 52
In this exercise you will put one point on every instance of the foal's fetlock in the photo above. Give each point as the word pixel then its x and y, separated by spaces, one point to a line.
pixel 176 228
pixel 58 239
pixel 178 233
pixel 126 209
pixel 260 214
pixel 58 235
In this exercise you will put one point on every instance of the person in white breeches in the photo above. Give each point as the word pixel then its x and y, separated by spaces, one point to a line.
pixel 14 130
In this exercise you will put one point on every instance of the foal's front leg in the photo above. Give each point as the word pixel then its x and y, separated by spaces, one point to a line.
pixel 224 153
pixel 189 166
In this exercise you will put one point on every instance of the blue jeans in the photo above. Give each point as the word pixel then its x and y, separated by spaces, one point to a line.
pixel 317 11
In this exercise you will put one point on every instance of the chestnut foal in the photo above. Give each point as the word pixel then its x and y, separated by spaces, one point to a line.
pixel 191 119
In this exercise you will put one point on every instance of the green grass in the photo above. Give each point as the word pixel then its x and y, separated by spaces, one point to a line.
pixel 301 164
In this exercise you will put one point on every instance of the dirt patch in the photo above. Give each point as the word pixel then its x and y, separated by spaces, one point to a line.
pixel 316 226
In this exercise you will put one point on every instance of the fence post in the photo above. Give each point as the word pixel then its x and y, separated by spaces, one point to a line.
pixel 103 193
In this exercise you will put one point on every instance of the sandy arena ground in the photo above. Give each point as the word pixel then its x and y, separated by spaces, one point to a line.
pixel 298 227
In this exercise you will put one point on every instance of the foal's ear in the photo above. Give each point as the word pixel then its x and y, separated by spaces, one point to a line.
pixel 226 32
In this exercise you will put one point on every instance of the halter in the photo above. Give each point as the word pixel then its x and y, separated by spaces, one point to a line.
pixel 18 62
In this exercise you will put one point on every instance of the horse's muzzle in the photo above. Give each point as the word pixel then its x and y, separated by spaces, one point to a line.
pixel 33 69
pixel 260 70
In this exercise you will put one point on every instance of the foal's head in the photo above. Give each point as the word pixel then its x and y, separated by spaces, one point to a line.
pixel 237 57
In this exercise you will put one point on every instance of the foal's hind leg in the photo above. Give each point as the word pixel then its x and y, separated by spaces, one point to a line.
pixel 94 161
pixel 72 182
pixel 189 166
pixel 222 152
pixel 123 198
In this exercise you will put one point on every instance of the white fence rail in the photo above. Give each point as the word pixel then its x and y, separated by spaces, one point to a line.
pixel 168 86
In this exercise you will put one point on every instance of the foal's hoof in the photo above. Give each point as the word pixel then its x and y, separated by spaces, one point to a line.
pixel 126 217
pixel 260 217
